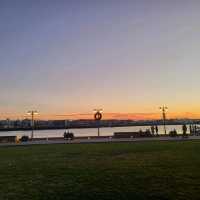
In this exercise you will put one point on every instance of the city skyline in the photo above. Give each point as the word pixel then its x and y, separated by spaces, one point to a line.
pixel 127 57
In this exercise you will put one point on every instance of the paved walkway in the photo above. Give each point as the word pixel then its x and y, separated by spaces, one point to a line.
pixel 100 140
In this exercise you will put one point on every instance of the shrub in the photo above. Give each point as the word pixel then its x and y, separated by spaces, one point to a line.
pixel 68 136
pixel 173 133
pixel 24 138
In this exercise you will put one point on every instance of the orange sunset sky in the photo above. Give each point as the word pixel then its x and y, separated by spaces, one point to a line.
pixel 65 58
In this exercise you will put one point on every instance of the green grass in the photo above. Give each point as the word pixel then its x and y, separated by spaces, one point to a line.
pixel 147 170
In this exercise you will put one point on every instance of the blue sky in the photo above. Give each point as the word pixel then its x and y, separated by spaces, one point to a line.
pixel 125 56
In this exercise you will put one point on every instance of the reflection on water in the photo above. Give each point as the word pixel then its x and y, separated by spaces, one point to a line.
pixel 90 131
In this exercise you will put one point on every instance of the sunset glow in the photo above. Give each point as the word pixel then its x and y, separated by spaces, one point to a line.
pixel 118 116
pixel 128 58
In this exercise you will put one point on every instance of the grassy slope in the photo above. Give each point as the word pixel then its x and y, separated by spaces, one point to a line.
pixel 148 170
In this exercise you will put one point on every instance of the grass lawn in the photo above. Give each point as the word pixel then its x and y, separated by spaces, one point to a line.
pixel 146 170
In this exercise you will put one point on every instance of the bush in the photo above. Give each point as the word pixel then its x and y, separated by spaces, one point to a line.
pixel 68 136
pixel 24 138
pixel 173 133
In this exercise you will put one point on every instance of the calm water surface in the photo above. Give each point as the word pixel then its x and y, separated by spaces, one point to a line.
pixel 90 131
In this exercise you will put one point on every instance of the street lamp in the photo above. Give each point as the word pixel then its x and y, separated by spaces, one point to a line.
pixel 98 117
pixel 164 109
pixel 32 113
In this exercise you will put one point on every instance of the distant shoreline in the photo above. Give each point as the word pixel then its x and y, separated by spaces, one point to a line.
pixel 84 127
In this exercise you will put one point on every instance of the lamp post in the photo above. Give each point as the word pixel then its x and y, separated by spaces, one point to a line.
pixel 32 113
pixel 164 109
pixel 98 117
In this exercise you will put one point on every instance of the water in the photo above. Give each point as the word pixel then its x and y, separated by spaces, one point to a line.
pixel 89 131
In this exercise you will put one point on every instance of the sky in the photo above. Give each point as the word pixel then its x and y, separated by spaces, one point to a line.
pixel 67 57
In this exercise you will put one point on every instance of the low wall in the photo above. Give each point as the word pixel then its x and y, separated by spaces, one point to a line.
pixel 131 134
pixel 7 139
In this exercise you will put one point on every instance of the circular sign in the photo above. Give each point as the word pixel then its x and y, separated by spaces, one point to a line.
pixel 98 116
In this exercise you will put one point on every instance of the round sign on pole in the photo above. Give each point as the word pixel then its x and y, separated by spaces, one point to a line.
pixel 98 116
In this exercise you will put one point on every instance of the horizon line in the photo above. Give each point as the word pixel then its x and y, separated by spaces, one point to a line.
pixel 106 116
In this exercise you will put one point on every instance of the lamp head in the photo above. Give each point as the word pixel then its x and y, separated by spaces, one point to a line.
pixel 32 112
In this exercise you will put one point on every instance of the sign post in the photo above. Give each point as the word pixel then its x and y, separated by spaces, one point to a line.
pixel 98 117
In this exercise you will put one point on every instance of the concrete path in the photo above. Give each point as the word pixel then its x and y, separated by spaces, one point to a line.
pixel 100 140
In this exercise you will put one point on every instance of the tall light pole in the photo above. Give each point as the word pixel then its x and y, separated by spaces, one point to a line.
pixel 98 117
pixel 164 109
pixel 32 113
